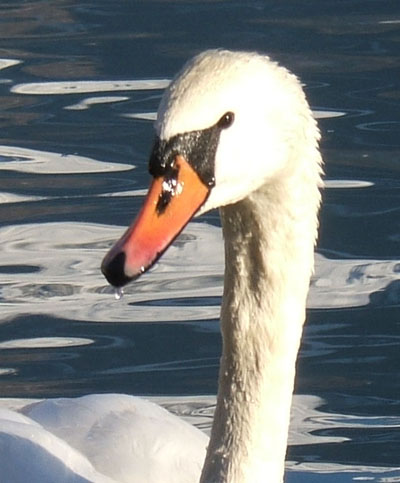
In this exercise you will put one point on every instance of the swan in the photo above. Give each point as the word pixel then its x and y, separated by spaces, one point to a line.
pixel 100 438
pixel 233 131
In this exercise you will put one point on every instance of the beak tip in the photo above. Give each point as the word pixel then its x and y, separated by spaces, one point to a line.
pixel 113 268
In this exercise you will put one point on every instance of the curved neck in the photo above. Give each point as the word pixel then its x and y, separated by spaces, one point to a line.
pixel 269 240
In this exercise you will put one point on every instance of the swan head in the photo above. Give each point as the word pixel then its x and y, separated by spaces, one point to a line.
pixel 229 123
pixel 254 109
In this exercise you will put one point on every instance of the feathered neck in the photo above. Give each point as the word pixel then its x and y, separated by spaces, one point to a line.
pixel 269 241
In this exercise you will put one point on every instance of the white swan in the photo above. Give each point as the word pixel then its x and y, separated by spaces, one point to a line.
pixel 234 131
pixel 101 438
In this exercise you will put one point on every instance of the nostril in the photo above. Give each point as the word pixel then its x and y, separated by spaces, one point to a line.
pixel 114 270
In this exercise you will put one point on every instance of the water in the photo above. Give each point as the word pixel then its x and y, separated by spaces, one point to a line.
pixel 79 85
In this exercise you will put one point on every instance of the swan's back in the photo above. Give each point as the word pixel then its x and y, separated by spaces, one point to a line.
pixel 97 437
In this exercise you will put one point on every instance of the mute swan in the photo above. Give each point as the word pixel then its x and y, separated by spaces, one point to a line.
pixel 234 131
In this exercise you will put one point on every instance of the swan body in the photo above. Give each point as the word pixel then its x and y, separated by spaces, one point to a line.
pixel 234 131
pixel 30 453
pixel 101 438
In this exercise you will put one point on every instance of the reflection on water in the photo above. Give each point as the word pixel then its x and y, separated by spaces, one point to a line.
pixel 65 276
pixel 4 63
pixel 14 158
pixel 43 342
pixel 53 269
pixel 80 85
pixel 83 87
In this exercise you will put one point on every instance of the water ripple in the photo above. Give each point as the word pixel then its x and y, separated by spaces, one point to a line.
pixel 185 285
pixel 45 342
pixel 83 87
pixel 14 158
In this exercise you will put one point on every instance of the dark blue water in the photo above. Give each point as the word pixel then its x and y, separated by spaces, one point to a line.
pixel 73 160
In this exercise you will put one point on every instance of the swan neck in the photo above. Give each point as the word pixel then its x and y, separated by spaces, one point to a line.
pixel 269 240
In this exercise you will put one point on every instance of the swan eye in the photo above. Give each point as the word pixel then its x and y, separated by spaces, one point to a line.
pixel 226 120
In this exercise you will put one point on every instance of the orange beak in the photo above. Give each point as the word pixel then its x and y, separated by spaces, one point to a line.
pixel 171 202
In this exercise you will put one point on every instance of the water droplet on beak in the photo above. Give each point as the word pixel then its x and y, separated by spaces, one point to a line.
pixel 118 293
